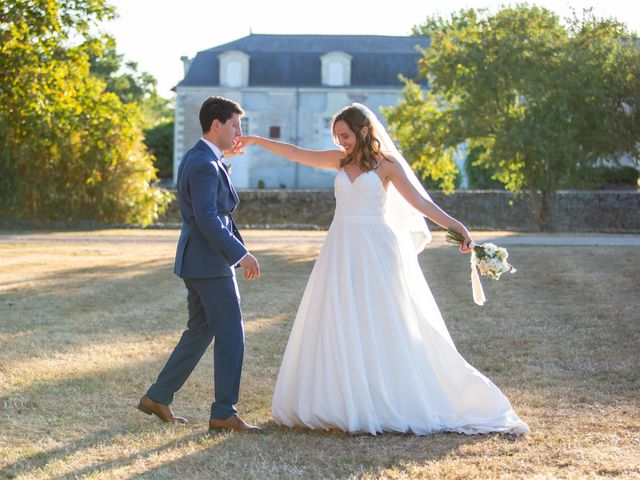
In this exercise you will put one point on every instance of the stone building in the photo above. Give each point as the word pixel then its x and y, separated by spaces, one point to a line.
pixel 290 86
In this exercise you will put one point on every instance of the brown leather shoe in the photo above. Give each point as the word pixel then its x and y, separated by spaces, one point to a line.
pixel 234 423
pixel 163 412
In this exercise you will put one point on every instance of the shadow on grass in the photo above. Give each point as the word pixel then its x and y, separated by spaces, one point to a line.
pixel 128 460
pixel 39 460
pixel 108 398
pixel 279 453
pixel 75 278
pixel 282 452
pixel 86 306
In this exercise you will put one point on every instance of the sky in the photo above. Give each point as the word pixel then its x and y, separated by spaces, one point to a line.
pixel 156 33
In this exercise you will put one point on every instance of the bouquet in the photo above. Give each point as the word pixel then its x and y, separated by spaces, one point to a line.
pixel 490 259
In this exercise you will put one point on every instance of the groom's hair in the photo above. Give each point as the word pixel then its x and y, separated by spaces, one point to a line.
pixel 217 108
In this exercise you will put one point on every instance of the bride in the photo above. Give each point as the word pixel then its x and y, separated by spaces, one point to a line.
pixel 369 351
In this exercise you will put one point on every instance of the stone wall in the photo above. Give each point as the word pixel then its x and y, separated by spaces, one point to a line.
pixel 571 211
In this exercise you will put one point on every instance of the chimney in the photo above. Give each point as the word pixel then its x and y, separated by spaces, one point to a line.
pixel 186 61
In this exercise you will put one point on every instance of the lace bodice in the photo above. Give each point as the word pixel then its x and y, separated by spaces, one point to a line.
pixel 365 196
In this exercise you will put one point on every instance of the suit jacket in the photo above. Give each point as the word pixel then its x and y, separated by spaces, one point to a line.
pixel 209 244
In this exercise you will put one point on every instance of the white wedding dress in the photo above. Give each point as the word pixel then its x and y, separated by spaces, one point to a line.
pixel 369 351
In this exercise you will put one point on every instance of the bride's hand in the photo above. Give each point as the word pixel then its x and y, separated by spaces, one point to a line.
pixel 236 150
pixel 238 145
pixel 466 246
pixel 246 141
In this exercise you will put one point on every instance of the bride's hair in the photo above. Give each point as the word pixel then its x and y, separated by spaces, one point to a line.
pixel 366 148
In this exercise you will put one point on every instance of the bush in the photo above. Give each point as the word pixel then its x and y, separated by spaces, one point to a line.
pixel 480 176
pixel 79 156
pixel 159 142
pixel 620 176
pixel 69 150
pixel 601 177
pixel 433 184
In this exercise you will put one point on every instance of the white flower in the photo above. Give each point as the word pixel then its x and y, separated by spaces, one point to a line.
pixel 489 248
pixel 502 253
pixel 482 265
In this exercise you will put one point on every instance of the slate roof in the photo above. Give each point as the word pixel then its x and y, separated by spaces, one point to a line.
pixel 294 60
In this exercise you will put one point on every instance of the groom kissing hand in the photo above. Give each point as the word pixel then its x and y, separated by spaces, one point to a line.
pixel 209 249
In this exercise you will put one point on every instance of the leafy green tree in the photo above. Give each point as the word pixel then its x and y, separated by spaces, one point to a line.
pixel 69 150
pixel 123 78
pixel 540 100
pixel 480 178
pixel 131 86
pixel 419 127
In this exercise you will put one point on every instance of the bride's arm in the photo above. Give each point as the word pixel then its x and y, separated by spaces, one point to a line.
pixel 329 159
pixel 424 205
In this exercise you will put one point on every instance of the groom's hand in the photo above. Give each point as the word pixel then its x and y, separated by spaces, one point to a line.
pixel 250 266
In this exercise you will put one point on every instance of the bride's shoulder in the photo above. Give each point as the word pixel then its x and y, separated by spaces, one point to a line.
pixel 388 162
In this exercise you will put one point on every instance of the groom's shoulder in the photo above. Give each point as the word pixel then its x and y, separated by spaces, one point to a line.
pixel 197 154
pixel 199 148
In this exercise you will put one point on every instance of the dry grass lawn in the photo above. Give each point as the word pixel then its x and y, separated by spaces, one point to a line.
pixel 87 319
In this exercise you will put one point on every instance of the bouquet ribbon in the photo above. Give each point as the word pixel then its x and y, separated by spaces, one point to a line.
pixel 476 286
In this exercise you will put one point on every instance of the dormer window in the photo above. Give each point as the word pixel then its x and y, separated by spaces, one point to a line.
pixel 336 69
pixel 234 69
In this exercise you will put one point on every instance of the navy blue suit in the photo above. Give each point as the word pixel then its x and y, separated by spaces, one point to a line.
pixel 208 249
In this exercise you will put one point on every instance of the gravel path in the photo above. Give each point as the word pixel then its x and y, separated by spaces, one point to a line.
pixel 313 237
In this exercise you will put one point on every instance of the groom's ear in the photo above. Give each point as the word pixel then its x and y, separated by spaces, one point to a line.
pixel 215 125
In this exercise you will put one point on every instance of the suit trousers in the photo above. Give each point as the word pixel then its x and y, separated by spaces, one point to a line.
pixel 214 315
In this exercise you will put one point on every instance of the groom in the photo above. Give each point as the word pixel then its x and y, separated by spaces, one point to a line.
pixel 209 248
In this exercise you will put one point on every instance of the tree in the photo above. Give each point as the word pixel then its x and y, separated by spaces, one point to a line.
pixel 159 141
pixel 131 86
pixel 69 150
pixel 538 101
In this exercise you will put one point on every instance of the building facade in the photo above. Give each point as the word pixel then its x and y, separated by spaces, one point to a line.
pixel 290 86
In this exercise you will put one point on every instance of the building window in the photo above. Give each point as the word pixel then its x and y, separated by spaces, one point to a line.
pixel 274 132
pixel 234 69
pixel 336 74
pixel 234 74
pixel 336 69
